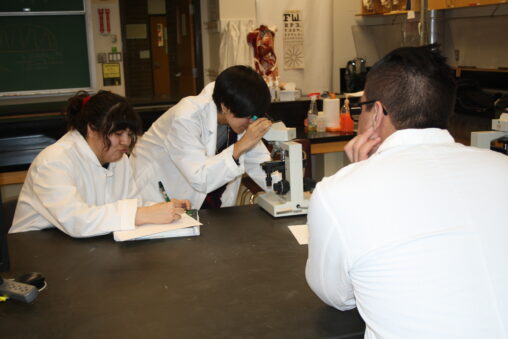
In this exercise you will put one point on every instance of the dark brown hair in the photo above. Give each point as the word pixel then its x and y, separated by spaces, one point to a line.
pixel 415 85
pixel 104 112
pixel 243 91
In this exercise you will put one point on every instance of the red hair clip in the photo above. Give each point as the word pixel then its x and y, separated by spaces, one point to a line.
pixel 85 100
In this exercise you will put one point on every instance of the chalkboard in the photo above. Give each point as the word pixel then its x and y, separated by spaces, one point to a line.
pixel 43 52
pixel 40 5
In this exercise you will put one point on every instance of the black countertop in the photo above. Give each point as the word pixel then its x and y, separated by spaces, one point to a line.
pixel 243 277
pixel 23 137
pixel 321 137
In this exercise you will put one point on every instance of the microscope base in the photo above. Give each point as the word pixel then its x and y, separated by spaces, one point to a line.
pixel 278 206
pixel 483 139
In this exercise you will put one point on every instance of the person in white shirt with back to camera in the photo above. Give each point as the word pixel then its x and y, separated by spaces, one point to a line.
pixel 413 233
pixel 83 183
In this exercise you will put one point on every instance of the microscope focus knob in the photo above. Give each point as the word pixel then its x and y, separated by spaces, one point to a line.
pixel 281 187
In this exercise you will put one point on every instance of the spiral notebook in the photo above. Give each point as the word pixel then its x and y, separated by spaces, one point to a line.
pixel 187 226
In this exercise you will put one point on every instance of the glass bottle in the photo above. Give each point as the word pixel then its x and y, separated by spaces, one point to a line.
pixel 312 114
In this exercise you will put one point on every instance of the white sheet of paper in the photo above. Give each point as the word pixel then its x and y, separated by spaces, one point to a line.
pixel 301 233
pixel 160 230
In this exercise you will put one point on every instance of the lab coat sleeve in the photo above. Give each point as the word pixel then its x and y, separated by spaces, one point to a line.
pixel 327 269
pixel 204 173
pixel 252 162
pixel 133 191
pixel 57 191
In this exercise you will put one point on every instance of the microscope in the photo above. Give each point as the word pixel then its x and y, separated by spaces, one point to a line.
pixel 497 139
pixel 288 197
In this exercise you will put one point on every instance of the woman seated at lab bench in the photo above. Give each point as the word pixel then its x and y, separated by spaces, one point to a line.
pixel 83 183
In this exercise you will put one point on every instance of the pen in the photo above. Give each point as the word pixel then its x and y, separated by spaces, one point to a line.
pixel 163 192
pixel 166 197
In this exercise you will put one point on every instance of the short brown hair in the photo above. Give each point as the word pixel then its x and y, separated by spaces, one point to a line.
pixel 415 85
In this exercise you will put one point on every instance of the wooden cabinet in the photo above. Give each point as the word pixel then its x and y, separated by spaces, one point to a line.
pixel 439 4
pixel 444 4
pixel 377 8
pixel 388 7
pixel 467 3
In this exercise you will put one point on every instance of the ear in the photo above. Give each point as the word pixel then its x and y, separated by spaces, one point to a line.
pixel 221 116
pixel 91 133
pixel 224 109
pixel 377 116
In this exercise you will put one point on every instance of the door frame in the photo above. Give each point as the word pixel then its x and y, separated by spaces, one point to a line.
pixel 198 48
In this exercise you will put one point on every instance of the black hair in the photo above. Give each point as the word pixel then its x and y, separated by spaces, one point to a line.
pixel 415 85
pixel 105 112
pixel 242 91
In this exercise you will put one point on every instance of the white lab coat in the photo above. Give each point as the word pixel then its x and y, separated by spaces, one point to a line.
pixel 415 237
pixel 179 150
pixel 66 187
pixel 234 48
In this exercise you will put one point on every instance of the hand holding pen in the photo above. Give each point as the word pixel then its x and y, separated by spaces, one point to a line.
pixel 161 213
pixel 185 204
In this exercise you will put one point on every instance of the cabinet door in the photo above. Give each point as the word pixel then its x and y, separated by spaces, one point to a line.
pixel 468 3
pixel 491 2
pixel 439 4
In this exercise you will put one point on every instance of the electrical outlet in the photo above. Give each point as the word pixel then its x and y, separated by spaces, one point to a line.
pixel 102 58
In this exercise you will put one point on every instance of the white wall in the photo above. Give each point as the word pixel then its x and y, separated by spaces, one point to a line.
pixel 479 34
pixel 322 68
pixel 316 76
pixel 104 43
pixel 237 9
pixel 343 44
pixel 210 38
pixel 212 13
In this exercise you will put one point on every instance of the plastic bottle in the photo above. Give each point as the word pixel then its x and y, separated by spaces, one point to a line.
pixel 321 122
pixel 277 89
pixel 312 113
pixel 269 83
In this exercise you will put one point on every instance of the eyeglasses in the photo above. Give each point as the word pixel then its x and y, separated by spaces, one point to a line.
pixel 355 109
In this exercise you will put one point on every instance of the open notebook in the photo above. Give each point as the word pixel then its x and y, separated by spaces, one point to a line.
pixel 185 227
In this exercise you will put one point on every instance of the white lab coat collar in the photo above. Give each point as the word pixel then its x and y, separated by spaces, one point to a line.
pixel 210 118
pixel 212 113
pixel 413 136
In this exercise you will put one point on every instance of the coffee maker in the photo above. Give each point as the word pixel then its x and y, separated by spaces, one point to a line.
pixel 354 75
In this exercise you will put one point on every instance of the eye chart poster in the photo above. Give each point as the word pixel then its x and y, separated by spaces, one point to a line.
pixel 293 39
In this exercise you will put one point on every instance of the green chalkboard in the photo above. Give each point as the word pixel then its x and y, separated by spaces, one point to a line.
pixel 47 52
pixel 40 5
